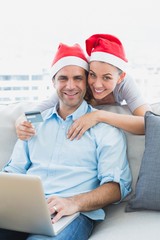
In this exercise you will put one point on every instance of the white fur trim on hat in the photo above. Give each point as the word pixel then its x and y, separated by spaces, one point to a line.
pixel 66 61
pixel 109 58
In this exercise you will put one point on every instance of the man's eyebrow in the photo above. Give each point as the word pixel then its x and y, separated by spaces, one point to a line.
pixel 66 77
pixel 62 76
pixel 78 76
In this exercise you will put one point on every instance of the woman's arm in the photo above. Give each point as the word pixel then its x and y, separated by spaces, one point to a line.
pixel 130 123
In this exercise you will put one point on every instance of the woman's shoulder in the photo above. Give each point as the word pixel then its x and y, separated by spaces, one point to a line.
pixel 128 91
pixel 127 85
pixel 128 80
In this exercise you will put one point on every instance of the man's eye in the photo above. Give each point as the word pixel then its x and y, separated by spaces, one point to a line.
pixel 62 79
pixel 79 78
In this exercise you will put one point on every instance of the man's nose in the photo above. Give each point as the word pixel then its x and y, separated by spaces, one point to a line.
pixel 70 84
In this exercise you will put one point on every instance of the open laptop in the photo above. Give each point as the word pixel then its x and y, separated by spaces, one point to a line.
pixel 23 206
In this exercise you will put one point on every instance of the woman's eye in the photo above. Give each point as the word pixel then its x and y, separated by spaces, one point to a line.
pixel 91 74
pixel 106 78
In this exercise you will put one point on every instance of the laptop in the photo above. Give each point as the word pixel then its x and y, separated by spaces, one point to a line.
pixel 23 206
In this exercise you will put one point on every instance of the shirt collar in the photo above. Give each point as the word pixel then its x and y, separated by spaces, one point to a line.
pixel 81 110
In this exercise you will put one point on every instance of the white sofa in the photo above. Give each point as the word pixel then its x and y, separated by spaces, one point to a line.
pixel 118 224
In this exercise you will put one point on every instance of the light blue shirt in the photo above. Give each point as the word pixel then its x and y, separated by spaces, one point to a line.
pixel 69 167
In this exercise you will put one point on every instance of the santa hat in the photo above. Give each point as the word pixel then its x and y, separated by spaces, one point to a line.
pixel 106 48
pixel 68 55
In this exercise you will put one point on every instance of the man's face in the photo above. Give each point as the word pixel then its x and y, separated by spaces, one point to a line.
pixel 70 84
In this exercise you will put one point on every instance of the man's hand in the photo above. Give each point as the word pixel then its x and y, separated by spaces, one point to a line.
pixel 61 207
pixel 103 195
pixel 24 129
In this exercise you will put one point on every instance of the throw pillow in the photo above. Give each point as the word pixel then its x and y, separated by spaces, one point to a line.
pixel 147 192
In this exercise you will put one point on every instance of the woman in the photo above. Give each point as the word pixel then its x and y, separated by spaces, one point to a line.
pixel 108 84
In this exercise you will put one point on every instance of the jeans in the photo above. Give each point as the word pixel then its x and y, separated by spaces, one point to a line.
pixel 80 229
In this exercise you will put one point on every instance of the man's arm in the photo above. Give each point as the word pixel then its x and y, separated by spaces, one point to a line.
pixel 102 196
pixel 19 160
pixel 112 172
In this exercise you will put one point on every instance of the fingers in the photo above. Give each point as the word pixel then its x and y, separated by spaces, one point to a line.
pixel 81 125
pixel 55 209
pixel 80 134
pixel 57 217
pixel 25 130
pixel 74 132
pixel 60 207
pixel 58 213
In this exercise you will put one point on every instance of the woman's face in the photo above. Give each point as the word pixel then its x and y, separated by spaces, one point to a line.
pixel 103 78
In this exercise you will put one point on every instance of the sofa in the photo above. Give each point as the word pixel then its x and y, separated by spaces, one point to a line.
pixel 118 224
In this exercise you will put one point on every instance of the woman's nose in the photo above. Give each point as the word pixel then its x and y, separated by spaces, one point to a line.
pixel 98 83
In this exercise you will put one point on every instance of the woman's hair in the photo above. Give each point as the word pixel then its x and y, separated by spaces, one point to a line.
pixel 119 71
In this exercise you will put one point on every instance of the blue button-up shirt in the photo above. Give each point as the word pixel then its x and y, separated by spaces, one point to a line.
pixel 69 167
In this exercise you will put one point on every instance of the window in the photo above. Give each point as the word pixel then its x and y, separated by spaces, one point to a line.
pixel 29 41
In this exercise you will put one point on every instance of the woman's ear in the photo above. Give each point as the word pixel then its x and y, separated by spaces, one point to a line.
pixel 121 77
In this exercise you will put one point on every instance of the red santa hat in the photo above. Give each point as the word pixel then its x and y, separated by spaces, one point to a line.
pixel 106 48
pixel 68 55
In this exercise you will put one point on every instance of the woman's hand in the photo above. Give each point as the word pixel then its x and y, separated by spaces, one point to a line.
pixel 24 129
pixel 82 124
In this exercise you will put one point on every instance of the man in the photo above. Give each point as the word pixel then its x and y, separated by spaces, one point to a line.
pixel 78 176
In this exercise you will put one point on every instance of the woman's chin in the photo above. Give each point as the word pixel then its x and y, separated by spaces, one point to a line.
pixel 98 96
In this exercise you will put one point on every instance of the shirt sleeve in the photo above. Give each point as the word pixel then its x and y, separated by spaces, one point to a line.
pixel 113 164
pixel 128 91
pixel 19 161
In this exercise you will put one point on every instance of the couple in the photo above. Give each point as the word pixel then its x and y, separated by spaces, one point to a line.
pixel 108 83
pixel 78 176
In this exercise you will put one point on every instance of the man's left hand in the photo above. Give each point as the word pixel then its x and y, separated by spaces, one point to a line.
pixel 61 207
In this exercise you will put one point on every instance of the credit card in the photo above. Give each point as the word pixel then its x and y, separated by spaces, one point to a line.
pixel 34 116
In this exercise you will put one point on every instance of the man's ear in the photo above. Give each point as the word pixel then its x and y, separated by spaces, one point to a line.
pixel 121 77
pixel 53 81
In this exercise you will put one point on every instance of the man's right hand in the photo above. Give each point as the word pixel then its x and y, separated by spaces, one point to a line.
pixel 24 129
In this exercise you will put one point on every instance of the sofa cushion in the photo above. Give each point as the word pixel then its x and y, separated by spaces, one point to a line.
pixel 8 115
pixel 120 225
pixel 147 194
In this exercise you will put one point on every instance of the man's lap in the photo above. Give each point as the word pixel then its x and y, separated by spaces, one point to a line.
pixel 80 229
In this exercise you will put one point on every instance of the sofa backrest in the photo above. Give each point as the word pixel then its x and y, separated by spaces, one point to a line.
pixel 9 113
